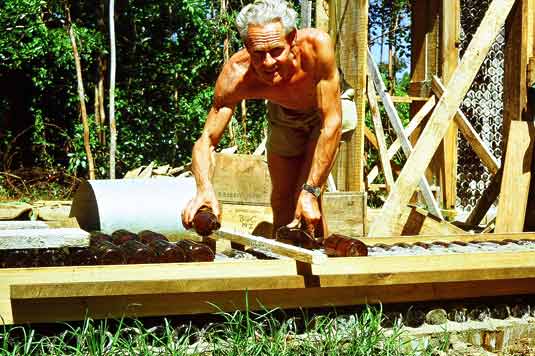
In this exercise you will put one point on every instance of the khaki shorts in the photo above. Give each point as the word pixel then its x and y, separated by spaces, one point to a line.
pixel 289 131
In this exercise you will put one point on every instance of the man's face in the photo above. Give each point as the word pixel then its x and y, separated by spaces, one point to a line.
pixel 269 49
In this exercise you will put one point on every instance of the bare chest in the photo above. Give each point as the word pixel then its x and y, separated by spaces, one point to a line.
pixel 296 94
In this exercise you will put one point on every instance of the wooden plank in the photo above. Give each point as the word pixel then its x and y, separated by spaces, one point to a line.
pixel 297 253
pixel 516 179
pixel 439 122
pixel 389 270
pixel 376 117
pixel 417 221
pixel 469 133
pixel 345 212
pixel 450 25
pixel 150 279
pixel 483 237
pixel 43 238
pixel 373 72
pixel 242 179
pixel 64 309
pixel 322 15
pixel 413 124
pixel 13 210
pixel 486 200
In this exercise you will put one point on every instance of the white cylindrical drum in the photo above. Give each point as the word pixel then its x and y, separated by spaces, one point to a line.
pixel 134 204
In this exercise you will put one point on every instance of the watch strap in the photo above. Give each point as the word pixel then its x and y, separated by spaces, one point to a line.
pixel 316 191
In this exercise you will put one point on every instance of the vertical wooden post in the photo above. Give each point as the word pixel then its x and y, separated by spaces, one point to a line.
pixel 516 56
pixel 322 15
pixel 450 23
pixel 424 62
pixel 348 27
pixel 356 146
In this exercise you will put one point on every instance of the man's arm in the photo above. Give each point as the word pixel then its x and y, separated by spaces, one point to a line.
pixel 328 101
pixel 202 164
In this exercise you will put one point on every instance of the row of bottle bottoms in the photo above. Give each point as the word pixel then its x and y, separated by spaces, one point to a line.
pixel 121 247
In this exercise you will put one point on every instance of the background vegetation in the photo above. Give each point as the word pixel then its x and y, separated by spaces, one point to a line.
pixel 168 56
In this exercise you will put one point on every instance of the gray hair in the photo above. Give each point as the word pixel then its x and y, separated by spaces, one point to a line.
pixel 262 12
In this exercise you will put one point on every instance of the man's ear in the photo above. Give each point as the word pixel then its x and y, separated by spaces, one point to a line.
pixel 290 37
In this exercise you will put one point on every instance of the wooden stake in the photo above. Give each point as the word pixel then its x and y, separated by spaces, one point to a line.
pixel 376 116
pixel 440 119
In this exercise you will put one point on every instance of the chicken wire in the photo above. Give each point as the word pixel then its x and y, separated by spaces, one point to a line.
pixel 483 106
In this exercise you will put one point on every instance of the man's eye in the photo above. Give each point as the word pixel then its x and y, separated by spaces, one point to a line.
pixel 276 52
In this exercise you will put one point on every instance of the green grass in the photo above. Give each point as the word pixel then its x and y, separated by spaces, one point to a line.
pixel 238 333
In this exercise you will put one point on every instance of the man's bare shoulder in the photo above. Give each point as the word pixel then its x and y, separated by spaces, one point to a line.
pixel 232 78
pixel 316 47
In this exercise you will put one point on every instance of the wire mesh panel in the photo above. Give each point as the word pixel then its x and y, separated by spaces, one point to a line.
pixel 483 106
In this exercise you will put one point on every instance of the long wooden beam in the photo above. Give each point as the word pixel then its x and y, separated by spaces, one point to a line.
pixel 486 200
pixel 440 119
pixel 373 72
pixel 297 253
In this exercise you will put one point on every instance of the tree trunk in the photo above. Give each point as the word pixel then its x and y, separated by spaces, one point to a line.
pixel 113 129
pixel 100 111
pixel 81 95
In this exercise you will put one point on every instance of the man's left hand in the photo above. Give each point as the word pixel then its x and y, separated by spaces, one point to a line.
pixel 307 212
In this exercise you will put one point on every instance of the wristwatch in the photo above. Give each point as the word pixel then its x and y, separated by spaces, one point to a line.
pixel 316 191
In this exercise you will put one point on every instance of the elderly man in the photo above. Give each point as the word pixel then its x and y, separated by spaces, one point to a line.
pixel 295 70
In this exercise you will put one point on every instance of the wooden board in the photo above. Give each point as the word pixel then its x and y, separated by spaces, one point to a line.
pixel 52 210
pixel 516 177
pixel 439 121
pixel 345 213
pixel 294 252
pixel 486 200
pixel 242 179
pixel 71 293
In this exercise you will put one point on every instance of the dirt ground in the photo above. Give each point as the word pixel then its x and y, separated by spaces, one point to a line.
pixel 523 347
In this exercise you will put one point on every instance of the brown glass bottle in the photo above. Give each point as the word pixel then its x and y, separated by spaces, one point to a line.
pixel 81 257
pixel 107 253
pixel 147 236
pixel 50 257
pixel 19 259
pixel 205 222
pixel 196 252
pixel 166 252
pixel 342 246
pixel 97 236
pixel 135 252
pixel 121 236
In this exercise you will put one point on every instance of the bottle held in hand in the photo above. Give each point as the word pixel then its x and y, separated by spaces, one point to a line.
pixel 343 246
pixel 121 236
pixel 196 252
pixel 205 222
pixel 136 252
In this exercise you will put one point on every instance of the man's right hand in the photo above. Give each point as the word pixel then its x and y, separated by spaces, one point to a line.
pixel 202 198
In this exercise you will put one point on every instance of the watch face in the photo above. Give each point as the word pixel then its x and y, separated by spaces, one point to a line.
pixel 313 190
